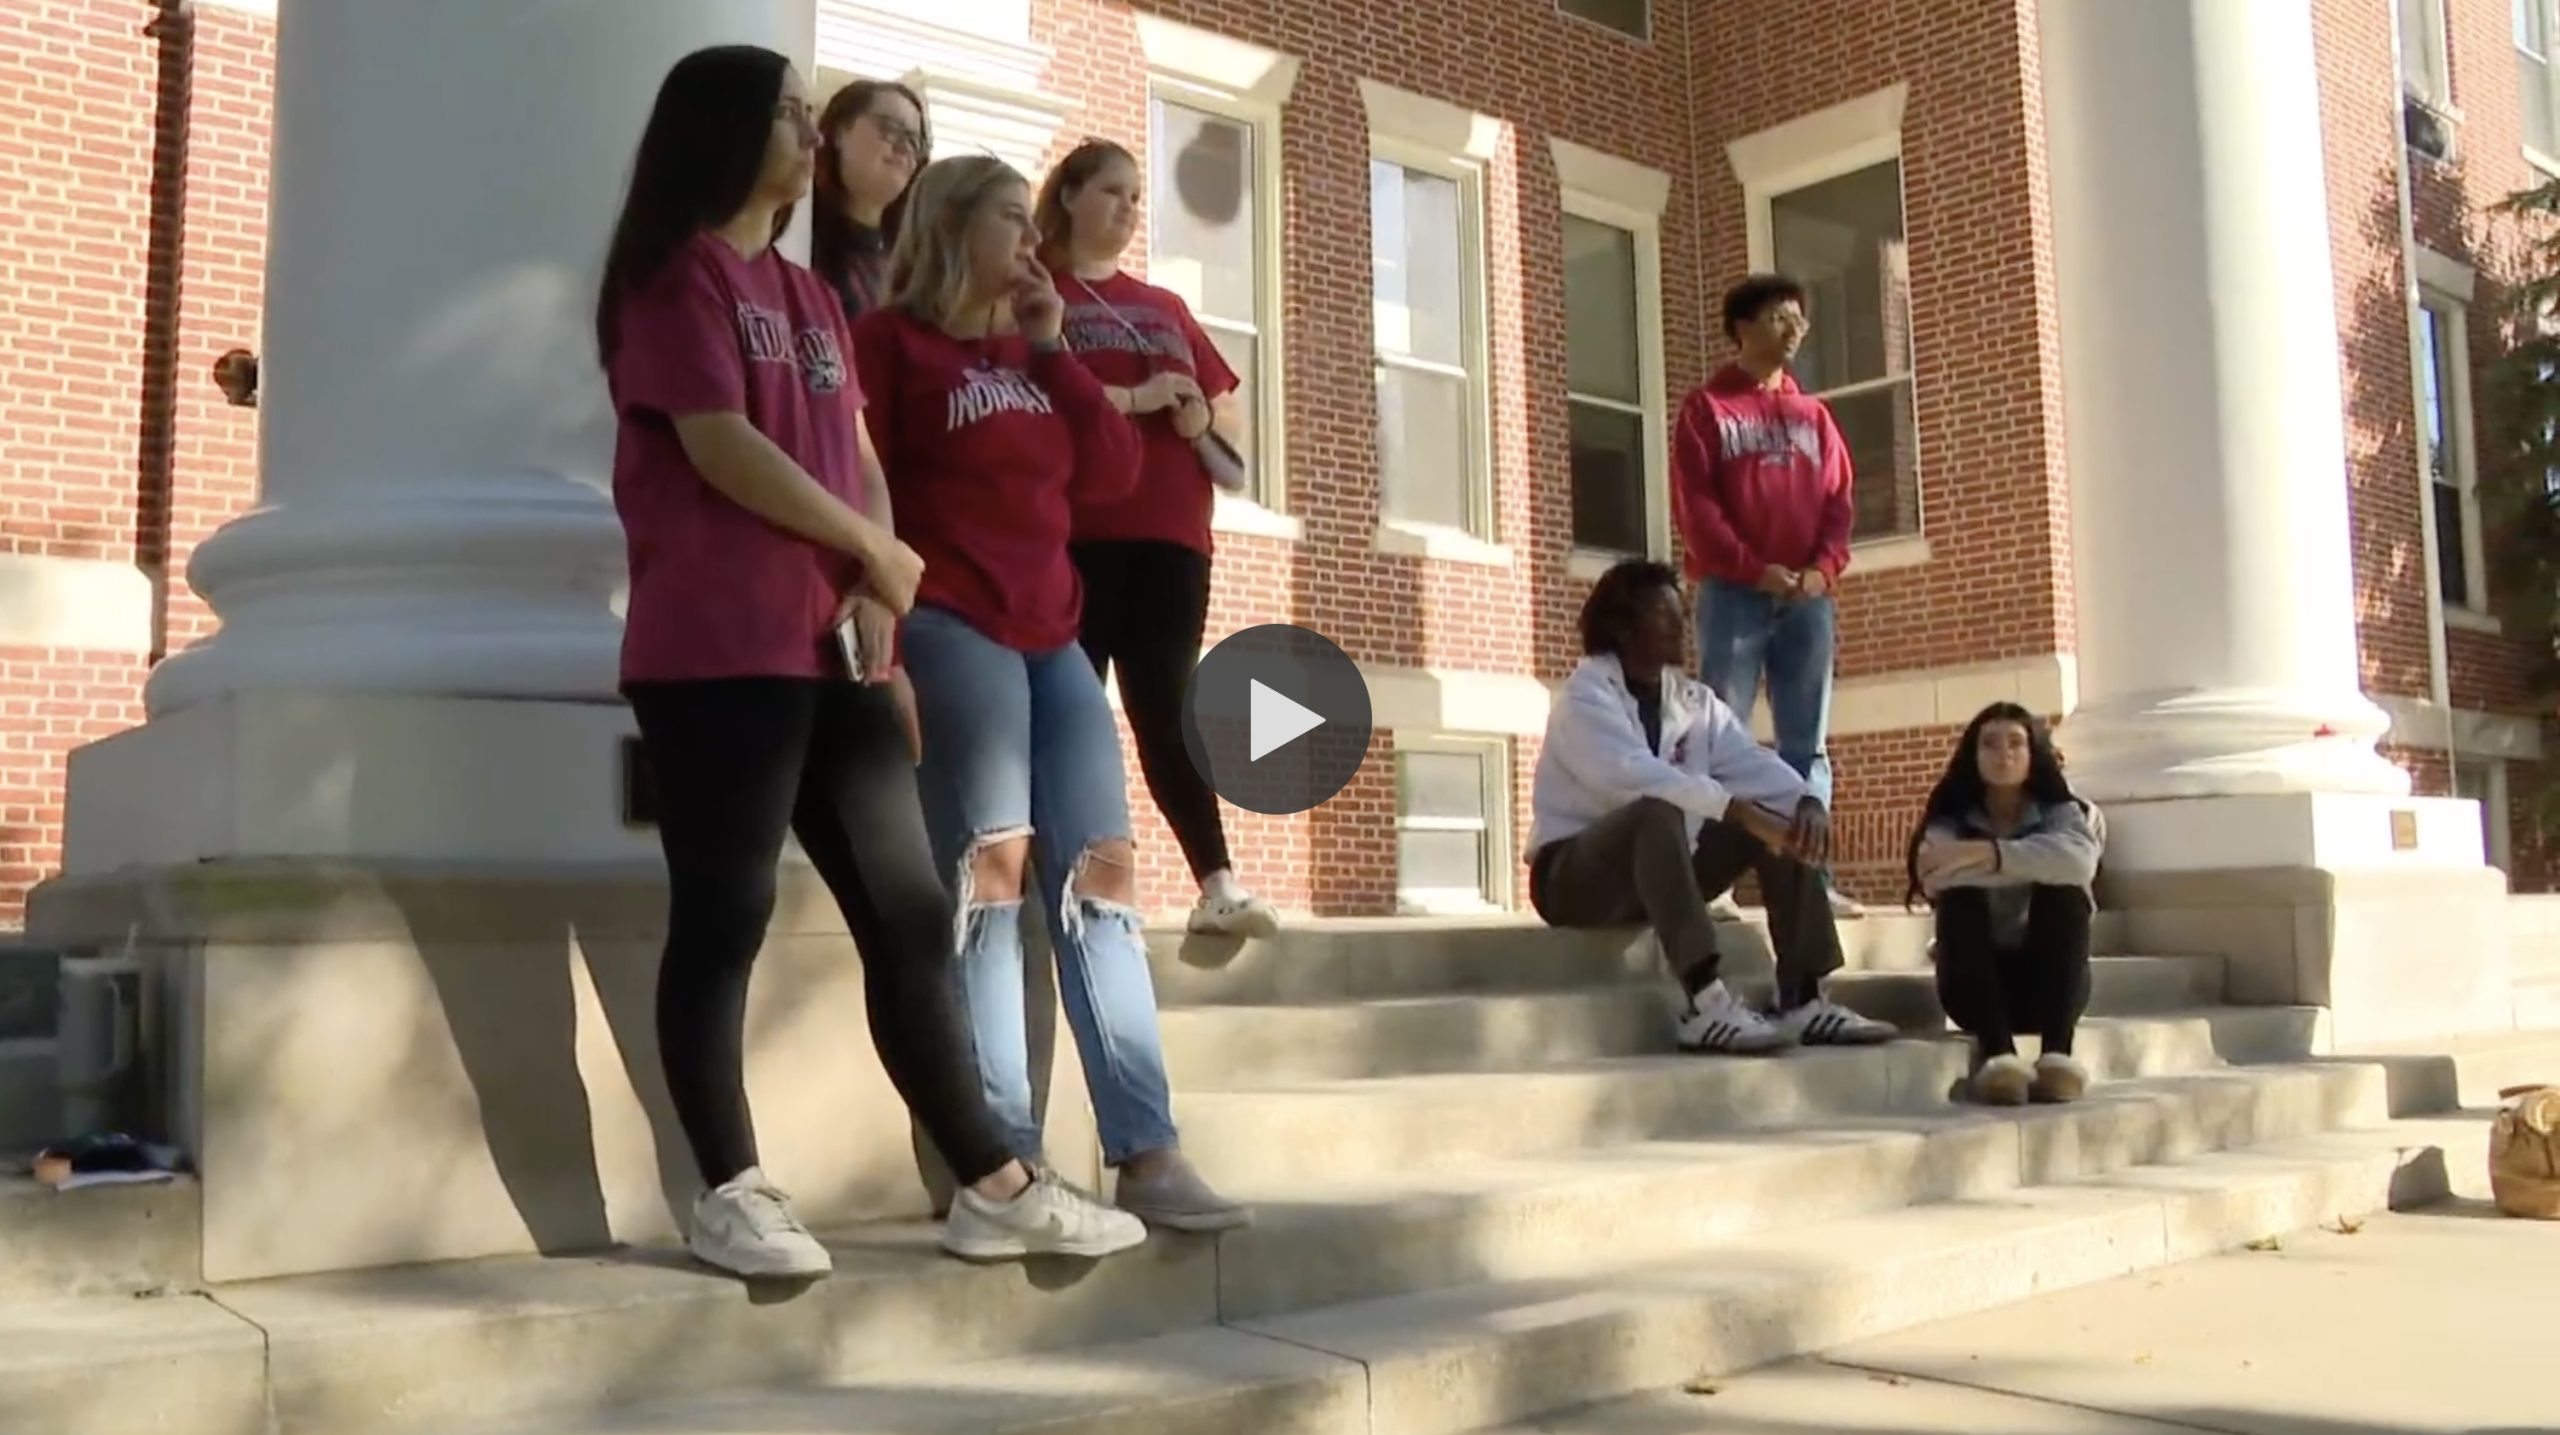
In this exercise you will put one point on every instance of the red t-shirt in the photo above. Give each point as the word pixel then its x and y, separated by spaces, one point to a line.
pixel 987 444
pixel 717 592
pixel 1127 331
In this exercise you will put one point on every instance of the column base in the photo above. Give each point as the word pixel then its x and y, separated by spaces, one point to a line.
pixel 378 1065
pixel 355 776
pixel 2381 910
pixel 2223 741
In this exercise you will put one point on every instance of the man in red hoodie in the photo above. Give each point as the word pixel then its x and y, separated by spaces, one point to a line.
pixel 1760 485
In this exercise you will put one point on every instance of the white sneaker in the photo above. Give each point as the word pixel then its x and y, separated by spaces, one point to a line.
pixel 1048 1217
pixel 1238 914
pixel 1824 1022
pixel 746 1228
pixel 1844 906
pixel 1716 1021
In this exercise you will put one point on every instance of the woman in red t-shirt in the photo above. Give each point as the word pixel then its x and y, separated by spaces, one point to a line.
pixel 990 431
pixel 758 532
pixel 1145 556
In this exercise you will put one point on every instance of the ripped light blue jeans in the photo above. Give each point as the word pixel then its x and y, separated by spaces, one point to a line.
pixel 1022 744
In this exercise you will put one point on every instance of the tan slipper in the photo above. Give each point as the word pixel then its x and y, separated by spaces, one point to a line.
pixel 2003 1081
pixel 2058 1079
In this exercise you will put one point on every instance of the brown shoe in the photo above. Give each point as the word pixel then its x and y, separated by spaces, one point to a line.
pixel 2058 1079
pixel 1165 1190
pixel 2003 1081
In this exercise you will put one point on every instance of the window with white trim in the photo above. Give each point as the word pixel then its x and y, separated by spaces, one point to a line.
pixel 1632 18
pixel 1453 824
pixel 2424 69
pixel 2538 74
pixel 1427 272
pixel 1206 241
pixel 2445 448
pixel 1614 396
pixel 1822 197
pixel 1213 236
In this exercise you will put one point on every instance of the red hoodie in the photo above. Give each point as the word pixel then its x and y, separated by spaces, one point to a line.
pixel 1759 476
pixel 986 444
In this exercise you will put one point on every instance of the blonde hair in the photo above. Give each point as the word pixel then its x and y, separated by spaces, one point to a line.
pixel 929 268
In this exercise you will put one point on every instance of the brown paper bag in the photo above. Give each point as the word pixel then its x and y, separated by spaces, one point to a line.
pixel 2524 1153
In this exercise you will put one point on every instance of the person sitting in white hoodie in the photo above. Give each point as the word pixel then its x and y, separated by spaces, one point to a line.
pixel 1652 798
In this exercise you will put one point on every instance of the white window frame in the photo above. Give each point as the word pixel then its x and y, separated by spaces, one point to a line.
pixel 2445 288
pixel 1435 137
pixel 1644 38
pixel 1808 150
pixel 1624 195
pixel 2549 163
pixel 1249 84
pixel 2432 85
pixel 1493 754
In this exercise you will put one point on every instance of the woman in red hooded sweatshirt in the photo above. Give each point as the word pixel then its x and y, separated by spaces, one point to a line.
pixel 990 433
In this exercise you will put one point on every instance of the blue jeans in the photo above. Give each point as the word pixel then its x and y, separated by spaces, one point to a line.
pixel 1744 635
pixel 1023 743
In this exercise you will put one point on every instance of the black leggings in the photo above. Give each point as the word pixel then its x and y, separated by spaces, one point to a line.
pixel 1993 992
pixel 1145 607
pixel 735 763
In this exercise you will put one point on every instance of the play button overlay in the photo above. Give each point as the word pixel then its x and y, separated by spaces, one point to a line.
pixel 1277 720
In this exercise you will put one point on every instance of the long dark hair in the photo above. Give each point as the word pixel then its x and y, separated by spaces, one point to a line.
pixel 1960 791
pixel 696 168
pixel 831 230
pixel 1049 215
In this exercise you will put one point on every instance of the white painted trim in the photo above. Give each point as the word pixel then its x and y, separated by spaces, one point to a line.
pixel 1235 514
pixel 1438 540
pixel 1809 149
pixel 1493 755
pixel 1237 70
pixel 1629 197
pixel 2047 683
pixel 1257 107
pixel 1435 137
pixel 1883 555
pixel 2419 723
pixel 1457 134
pixel 2446 275
pixel 1600 178
pixel 91 604
pixel 264 9
pixel 1456 700
pixel 2469 619
pixel 2455 314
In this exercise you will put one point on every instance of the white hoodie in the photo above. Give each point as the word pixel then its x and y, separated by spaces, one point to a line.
pixel 1595 760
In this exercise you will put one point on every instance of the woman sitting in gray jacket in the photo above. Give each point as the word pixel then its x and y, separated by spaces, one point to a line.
pixel 2007 855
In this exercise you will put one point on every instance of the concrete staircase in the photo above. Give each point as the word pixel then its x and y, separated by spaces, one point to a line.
pixel 1488 1190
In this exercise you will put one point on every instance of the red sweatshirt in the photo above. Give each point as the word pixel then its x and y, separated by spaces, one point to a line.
pixel 987 445
pixel 1759 476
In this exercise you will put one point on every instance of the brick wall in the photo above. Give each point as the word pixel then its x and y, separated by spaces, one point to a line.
pixel 129 257
pixel 133 257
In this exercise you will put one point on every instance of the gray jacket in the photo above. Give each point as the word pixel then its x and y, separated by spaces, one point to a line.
pixel 2058 845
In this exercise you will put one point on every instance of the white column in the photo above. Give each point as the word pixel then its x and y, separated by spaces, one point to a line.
pixel 2206 431
pixel 434 438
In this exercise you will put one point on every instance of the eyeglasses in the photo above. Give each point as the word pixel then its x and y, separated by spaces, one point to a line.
pixel 898 134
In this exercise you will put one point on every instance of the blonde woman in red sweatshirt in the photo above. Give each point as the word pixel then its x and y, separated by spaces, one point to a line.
pixel 1761 487
pixel 990 432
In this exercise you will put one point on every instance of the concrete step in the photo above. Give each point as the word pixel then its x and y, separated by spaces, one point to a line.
pixel 449 1348
pixel 1227 1045
pixel 1262 1136
pixel 1479 1356
pixel 2466 1072
pixel 1355 959
pixel 98 1240
pixel 1476 1357
pixel 1326 1239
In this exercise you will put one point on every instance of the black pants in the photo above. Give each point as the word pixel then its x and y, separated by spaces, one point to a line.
pixel 736 763
pixel 1636 865
pixel 1145 608
pixel 1992 992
